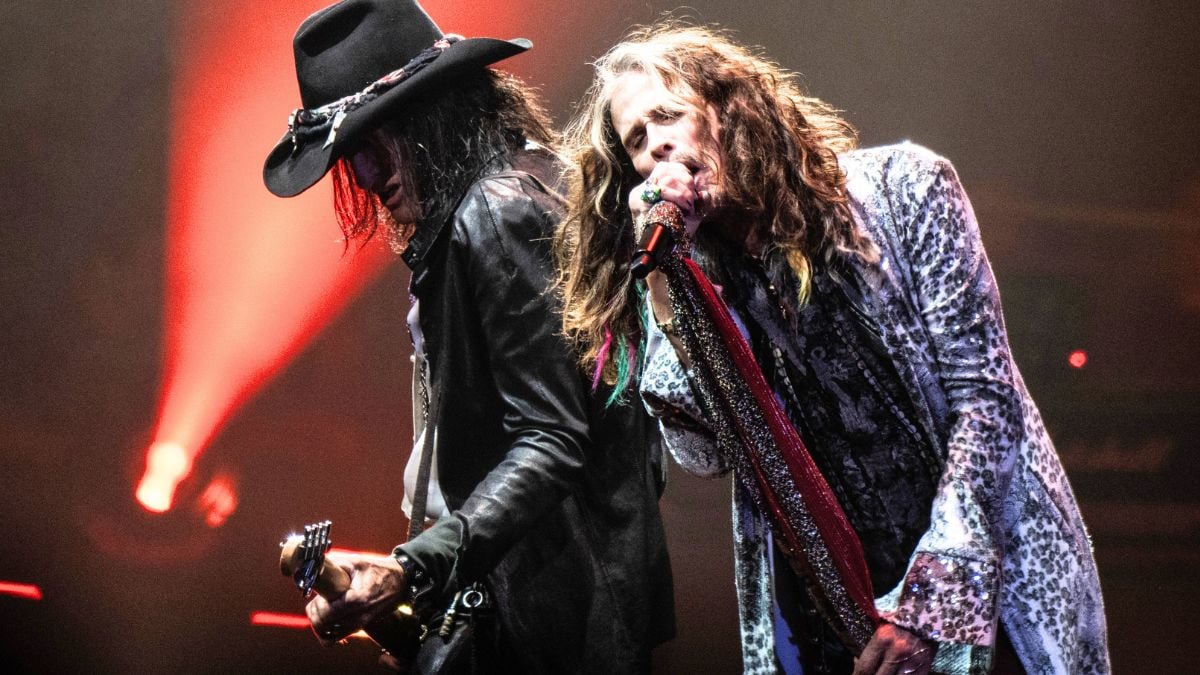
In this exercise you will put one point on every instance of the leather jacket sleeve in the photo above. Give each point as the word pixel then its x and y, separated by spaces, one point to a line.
pixel 500 239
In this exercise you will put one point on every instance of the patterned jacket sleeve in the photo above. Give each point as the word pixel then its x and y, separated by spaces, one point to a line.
pixel 667 393
pixel 951 589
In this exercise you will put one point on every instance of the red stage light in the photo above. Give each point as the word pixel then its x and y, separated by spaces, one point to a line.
pixel 27 591
pixel 1078 358
pixel 291 621
pixel 166 465
pixel 279 619
pixel 218 501
pixel 346 551
pixel 250 278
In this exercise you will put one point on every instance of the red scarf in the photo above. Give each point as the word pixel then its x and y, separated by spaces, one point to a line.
pixel 812 531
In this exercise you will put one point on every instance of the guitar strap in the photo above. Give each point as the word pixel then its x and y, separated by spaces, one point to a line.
pixel 420 496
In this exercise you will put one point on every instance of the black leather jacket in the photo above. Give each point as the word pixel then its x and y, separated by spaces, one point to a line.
pixel 554 496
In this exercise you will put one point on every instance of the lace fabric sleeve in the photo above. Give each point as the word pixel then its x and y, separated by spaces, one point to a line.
pixel 667 393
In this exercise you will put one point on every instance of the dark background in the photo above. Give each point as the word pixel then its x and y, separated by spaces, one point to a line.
pixel 1073 127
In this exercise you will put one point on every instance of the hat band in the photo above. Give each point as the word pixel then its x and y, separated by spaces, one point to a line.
pixel 305 124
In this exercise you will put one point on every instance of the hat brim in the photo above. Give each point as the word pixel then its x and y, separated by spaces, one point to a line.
pixel 291 169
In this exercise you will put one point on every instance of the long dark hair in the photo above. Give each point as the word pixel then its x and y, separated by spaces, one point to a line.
pixel 441 147
pixel 778 149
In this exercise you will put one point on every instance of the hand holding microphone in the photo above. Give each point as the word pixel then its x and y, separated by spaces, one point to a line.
pixel 658 238
pixel 675 182
pixel 666 203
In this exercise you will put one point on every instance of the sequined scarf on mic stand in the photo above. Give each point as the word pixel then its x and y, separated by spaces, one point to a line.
pixel 771 460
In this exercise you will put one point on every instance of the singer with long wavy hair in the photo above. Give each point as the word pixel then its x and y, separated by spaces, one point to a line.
pixel 851 286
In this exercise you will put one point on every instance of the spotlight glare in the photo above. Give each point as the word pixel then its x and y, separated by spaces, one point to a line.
pixel 218 501
pixel 167 463
pixel 1078 359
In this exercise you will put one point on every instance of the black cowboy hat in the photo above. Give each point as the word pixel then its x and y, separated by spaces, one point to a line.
pixel 356 61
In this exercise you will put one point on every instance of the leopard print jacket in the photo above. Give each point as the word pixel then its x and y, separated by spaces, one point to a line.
pixel 1007 544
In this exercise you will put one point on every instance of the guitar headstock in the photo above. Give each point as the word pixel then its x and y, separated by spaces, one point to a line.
pixel 303 556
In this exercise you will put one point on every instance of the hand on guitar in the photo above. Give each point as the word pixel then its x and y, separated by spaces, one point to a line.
pixel 377 586
pixel 352 592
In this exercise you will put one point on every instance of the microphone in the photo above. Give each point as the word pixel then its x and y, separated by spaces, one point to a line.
pixel 658 239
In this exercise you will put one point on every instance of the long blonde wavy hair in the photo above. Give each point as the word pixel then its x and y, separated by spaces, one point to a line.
pixel 778 150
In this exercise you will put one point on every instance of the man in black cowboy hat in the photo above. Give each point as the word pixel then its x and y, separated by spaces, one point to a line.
pixel 542 492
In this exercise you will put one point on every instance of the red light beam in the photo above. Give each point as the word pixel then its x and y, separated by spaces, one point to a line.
pixel 250 278
pixel 345 551
pixel 26 591
pixel 279 619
